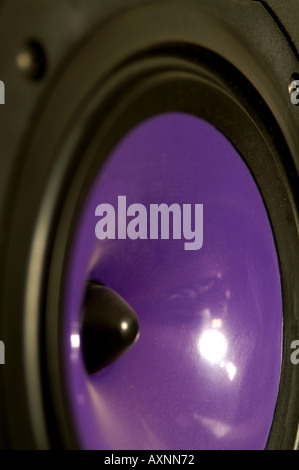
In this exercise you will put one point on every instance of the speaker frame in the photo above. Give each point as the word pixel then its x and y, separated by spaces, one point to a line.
pixel 203 29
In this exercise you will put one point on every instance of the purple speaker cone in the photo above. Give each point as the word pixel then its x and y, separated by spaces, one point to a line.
pixel 204 373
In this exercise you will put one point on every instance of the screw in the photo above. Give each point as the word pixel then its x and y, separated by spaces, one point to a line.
pixel 31 60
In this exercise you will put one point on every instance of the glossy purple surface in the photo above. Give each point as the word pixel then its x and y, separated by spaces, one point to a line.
pixel 205 371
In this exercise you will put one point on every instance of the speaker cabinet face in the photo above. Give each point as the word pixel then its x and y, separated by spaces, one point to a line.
pixel 149 226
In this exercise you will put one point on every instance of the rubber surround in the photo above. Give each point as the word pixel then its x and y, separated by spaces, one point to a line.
pixel 114 94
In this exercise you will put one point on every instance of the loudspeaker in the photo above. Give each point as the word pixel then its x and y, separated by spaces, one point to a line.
pixel 149 224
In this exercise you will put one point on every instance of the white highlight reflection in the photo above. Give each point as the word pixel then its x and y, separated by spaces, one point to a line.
pixel 124 325
pixel 75 341
pixel 212 345
pixel 215 426
pixel 230 369
pixel 216 323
